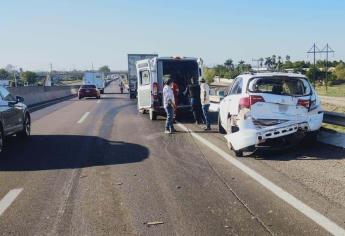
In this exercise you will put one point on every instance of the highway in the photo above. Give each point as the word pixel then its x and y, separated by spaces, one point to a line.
pixel 98 167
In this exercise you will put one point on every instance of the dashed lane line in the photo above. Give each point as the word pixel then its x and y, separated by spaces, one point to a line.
pixel 9 199
pixel 83 117
pixel 309 212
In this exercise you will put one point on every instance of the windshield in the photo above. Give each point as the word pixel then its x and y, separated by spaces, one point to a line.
pixel 88 86
pixel 280 85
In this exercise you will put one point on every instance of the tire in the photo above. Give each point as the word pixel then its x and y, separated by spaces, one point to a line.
pixel 26 128
pixel 2 137
pixel 102 91
pixel 80 98
pixel 221 130
pixel 98 97
pixel 153 115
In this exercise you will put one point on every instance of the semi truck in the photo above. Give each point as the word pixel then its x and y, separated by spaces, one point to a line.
pixel 94 78
pixel 132 71
pixel 151 73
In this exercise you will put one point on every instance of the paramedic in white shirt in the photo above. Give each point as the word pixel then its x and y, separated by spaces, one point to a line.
pixel 169 106
pixel 205 102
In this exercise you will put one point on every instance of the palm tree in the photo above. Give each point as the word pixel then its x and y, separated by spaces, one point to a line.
pixel 229 64
pixel 268 62
pixel 287 58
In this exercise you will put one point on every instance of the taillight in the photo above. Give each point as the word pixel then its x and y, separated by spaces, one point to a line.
pixel 303 102
pixel 154 89
pixel 255 98
pixel 246 102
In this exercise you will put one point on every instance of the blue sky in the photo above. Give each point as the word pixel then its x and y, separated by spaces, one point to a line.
pixel 75 33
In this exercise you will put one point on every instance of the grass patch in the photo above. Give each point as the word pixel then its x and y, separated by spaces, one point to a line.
pixel 333 91
pixel 333 128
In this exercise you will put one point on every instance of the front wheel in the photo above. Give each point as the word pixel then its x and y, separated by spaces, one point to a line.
pixel 26 128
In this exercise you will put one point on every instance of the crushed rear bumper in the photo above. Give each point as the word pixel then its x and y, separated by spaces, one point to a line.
pixel 251 135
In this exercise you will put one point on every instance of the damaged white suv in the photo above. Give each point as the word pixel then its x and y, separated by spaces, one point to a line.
pixel 265 106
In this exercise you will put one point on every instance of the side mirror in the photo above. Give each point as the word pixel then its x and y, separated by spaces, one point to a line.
pixel 19 99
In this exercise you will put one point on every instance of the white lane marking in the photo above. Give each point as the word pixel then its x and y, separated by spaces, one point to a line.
pixel 83 117
pixel 9 199
pixel 98 101
pixel 312 214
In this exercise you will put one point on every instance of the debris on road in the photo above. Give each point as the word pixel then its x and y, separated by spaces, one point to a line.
pixel 154 223
pixel 119 183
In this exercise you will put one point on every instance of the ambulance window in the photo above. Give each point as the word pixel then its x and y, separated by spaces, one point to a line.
pixel 144 77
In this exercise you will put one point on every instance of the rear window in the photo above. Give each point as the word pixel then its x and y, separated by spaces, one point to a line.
pixel 88 86
pixel 280 85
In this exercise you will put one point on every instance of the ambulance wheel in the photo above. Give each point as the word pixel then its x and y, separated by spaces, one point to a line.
pixel 153 115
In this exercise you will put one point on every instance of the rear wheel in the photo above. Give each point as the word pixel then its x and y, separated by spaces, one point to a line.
pixel 221 130
pixel 26 128
pixel 80 97
pixel 233 129
pixel 153 114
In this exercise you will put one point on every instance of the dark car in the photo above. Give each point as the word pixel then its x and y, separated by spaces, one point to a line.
pixel 89 91
pixel 14 116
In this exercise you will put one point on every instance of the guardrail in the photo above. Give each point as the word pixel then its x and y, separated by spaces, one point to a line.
pixel 334 118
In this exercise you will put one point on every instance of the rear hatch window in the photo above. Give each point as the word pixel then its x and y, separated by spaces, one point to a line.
pixel 286 86
pixel 88 87
pixel 283 99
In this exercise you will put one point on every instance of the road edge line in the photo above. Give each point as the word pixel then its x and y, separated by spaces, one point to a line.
pixel 309 212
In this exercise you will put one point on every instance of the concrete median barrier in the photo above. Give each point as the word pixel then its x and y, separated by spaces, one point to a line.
pixel 39 95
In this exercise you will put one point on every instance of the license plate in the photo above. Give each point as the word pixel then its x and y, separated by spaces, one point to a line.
pixel 87 91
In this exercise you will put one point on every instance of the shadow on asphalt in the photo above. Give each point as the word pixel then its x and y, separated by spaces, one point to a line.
pixel 317 151
pixel 50 152
pixel 117 93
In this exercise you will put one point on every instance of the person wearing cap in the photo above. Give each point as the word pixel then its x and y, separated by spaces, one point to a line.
pixel 205 102
pixel 169 105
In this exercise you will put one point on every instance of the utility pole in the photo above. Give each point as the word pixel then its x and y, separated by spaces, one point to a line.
pixel 314 49
pixel 327 49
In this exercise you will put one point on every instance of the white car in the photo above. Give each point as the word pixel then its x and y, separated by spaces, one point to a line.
pixel 265 106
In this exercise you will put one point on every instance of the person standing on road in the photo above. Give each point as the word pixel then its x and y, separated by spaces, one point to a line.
pixel 169 106
pixel 194 93
pixel 205 102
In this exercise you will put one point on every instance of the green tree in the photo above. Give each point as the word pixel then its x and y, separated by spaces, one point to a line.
pixel 209 74
pixel 104 69
pixel 29 77
pixel 339 71
pixel 4 74
pixel 310 74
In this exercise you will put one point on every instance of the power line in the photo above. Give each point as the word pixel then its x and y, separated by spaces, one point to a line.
pixel 327 49
pixel 314 49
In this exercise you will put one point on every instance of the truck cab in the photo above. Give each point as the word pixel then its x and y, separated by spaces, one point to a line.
pixel 151 73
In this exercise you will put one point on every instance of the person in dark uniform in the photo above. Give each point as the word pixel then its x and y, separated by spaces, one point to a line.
pixel 193 91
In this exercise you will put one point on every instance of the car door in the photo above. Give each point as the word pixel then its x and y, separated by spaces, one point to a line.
pixel 229 105
pixel 12 112
pixel 144 85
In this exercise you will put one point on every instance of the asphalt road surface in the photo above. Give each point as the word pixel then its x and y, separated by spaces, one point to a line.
pixel 97 167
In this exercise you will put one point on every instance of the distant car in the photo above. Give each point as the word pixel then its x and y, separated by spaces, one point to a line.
pixel 89 91
pixel 14 116
pixel 265 106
